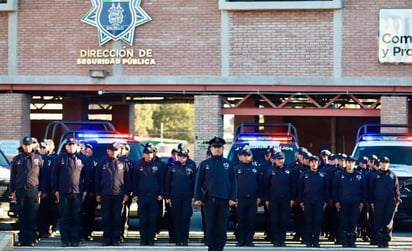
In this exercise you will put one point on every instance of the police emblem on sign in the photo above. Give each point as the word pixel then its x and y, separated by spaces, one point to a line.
pixel 116 19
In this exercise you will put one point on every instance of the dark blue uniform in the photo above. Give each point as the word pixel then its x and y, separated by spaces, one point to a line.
pixel 112 184
pixel 25 182
pixel 70 179
pixel 349 190
pixel 215 185
pixel 179 187
pixel 297 169
pixel 385 196
pixel 279 192
pixel 148 185
pixel 249 180
pixel 313 193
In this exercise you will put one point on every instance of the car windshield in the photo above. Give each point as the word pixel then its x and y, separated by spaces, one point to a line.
pixel 136 149
pixel 397 154
pixel 4 167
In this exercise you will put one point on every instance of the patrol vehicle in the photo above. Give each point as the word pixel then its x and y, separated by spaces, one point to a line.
pixel 260 137
pixel 386 140
pixel 7 206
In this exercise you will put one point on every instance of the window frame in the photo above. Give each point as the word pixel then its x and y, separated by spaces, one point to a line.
pixel 280 5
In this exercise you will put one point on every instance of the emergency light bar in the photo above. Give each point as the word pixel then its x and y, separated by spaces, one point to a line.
pixel 265 138
pixel 103 135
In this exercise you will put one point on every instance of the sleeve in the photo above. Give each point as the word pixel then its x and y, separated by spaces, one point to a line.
pixel 335 188
pixel 55 174
pixel 13 174
pixel 199 182
pixel 301 187
pixel 371 188
pixel 266 185
pixel 364 190
pixel 397 190
pixel 86 174
pixel 135 179
pixel 168 180
pixel 234 185
pixel 98 179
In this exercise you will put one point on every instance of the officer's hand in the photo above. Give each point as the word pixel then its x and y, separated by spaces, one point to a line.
pixel 125 198
pixel 135 199
pixel 159 197
pixel 13 196
pixel 98 198
pixel 373 206
pixel 258 201
pixel 360 207
pixel 232 203
pixel 291 203
pixel 84 196
pixel 337 205
pixel 39 196
pixel 267 204
pixel 57 195
pixel 197 203
pixel 169 202
pixel 302 205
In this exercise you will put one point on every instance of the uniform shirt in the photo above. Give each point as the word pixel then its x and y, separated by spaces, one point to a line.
pixel 278 183
pixel 384 185
pixel 45 184
pixel 26 171
pixel 180 180
pixel 297 169
pixel 216 177
pixel 313 187
pixel 148 178
pixel 249 180
pixel 70 174
pixel 112 177
pixel 349 187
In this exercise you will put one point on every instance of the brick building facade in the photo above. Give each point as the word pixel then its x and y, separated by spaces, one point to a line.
pixel 204 51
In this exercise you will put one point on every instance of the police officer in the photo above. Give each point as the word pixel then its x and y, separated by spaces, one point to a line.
pixel 216 188
pixel 363 218
pixel 47 208
pixel 148 190
pixel 248 196
pixel 179 187
pixel 25 183
pixel 112 188
pixel 313 197
pixel 89 203
pixel 349 195
pixel 124 156
pixel 278 194
pixel 70 185
pixel 385 199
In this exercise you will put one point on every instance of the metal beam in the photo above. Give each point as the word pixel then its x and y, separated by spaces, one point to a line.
pixel 302 112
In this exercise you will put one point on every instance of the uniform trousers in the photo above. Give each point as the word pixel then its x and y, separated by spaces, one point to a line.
pixel 70 213
pixel 148 215
pixel 313 220
pixel 27 205
pixel 279 208
pixel 181 211
pixel 216 217
pixel 384 213
pixel 246 220
pixel 88 214
pixel 48 214
pixel 348 219
pixel 111 218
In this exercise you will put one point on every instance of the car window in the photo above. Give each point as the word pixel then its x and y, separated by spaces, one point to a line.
pixel 397 154
pixel 4 167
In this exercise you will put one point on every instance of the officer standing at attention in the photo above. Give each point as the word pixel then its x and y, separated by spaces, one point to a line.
pixel 349 194
pixel 70 185
pixel 25 181
pixel 249 196
pixel 112 187
pixel 313 196
pixel 148 188
pixel 179 187
pixel 216 188
pixel 279 190
pixel 385 199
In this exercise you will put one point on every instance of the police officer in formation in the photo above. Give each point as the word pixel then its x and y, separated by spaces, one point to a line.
pixel 148 190
pixel 313 195
pixel 179 187
pixel 25 187
pixel 249 193
pixel 384 201
pixel 70 185
pixel 216 188
pixel 278 193
pixel 349 195
pixel 112 188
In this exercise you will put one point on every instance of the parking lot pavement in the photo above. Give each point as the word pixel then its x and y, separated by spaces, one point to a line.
pixel 401 241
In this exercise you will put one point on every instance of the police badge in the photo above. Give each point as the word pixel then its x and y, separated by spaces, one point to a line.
pixel 116 19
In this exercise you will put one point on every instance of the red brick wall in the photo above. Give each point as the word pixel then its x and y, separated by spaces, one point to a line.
pixel 15 115
pixel 3 42
pixel 282 43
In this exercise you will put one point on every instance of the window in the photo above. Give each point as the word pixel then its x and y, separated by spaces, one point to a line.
pixel 279 4
pixel 8 5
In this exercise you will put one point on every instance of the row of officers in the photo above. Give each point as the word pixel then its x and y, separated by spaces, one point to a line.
pixel 316 190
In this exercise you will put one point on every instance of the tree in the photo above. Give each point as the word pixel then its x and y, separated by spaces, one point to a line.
pixel 143 119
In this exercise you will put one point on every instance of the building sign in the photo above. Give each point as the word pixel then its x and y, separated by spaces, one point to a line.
pixel 395 40
pixel 116 19
pixel 116 57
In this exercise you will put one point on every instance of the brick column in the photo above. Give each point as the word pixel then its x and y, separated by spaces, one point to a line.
pixel 208 122
pixel 15 116
pixel 394 110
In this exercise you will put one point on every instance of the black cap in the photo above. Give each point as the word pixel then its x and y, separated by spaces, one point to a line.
pixel 182 152
pixel 302 150
pixel 277 155
pixel 88 146
pixel 71 141
pixel 313 157
pixel 342 156
pixel 43 144
pixel 27 140
pixel 385 160
pixel 148 148
pixel 325 152
pixel 363 160
pixel 114 146
pixel 245 150
pixel 350 158
pixel 332 156
pixel 217 141
pixel 307 155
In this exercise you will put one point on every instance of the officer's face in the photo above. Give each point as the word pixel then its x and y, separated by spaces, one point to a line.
pixel 245 158
pixel 71 148
pixel 216 150
pixel 182 158
pixel 280 162
pixel 350 165
pixel 148 157
pixel 313 165
pixel 28 148
pixel 384 166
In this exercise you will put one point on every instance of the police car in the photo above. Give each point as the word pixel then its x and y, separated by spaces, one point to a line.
pixel 396 146
pixel 7 206
pixel 260 137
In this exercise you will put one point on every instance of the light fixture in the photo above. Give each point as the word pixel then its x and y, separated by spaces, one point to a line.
pixel 98 73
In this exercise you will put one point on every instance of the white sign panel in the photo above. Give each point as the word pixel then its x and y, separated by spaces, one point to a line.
pixel 395 40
